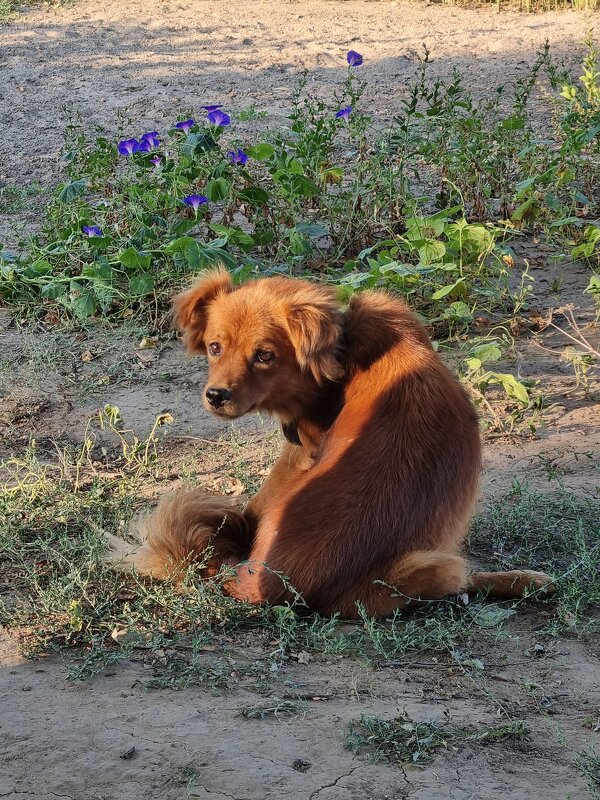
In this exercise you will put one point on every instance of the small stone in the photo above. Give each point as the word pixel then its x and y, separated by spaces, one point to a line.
pixel 300 765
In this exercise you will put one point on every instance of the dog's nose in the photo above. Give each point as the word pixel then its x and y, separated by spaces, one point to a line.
pixel 216 397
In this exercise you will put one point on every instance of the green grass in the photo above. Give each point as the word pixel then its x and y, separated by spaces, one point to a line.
pixel 56 595
pixel 554 531
pixel 589 765
pixel 14 199
pixel 403 741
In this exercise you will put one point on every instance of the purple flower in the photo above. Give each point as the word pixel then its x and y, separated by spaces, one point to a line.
pixel 219 118
pixel 344 113
pixel 185 125
pixel 145 146
pixel 151 137
pixel 211 108
pixel 128 147
pixel 354 59
pixel 195 201
pixel 237 157
pixel 156 160
pixel 92 230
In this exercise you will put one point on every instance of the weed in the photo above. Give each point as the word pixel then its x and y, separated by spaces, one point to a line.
pixel 52 517
pixel 554 531
pixel 14 199
pixel 404 741
pixel 276 708
pixel 588 762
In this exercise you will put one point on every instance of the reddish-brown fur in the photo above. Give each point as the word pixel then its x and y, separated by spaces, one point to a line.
pixel 372 502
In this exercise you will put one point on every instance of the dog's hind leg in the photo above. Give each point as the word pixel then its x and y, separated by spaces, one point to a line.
pixel 434 575
pixel 509 585
pixel 187 526
pixel 421 575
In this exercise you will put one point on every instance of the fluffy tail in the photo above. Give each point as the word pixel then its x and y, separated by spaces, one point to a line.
pixel 185 527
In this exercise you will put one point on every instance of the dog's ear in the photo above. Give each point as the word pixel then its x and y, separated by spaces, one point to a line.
pixel 190 309
pixel 315 324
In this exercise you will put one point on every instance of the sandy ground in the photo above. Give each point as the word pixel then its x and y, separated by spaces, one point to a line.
pixel 153 60
pixel 68 740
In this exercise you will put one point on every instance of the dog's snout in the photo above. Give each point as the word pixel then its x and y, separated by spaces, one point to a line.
pixel 217 397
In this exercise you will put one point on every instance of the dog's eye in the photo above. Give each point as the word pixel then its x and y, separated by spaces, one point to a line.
pixel 214 348
pixel 265 356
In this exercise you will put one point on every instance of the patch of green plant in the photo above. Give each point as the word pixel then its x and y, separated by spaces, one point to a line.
pixel 276 708
pixel 557 532
pixel 404 741
pixel 136 216
pixel 588 762
pixel 57 595
pixel 14 199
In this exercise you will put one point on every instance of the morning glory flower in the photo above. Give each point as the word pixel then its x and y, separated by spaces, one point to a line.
pixel 92 230
pixel 128 147
pixel 151 137
pixel 211 108
pixel 185 125
pixel 344 113
pixel 156 160
pixel 145 146
pixel 219 118
pixel 354 59
pixel 237 157
pixel 195 201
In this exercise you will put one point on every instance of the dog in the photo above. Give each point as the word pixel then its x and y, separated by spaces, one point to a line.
pixel 370 500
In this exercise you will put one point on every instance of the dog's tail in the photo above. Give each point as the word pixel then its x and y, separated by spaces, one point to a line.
pixel 187 526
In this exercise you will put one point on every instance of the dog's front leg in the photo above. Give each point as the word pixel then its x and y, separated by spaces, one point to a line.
pixel 293 462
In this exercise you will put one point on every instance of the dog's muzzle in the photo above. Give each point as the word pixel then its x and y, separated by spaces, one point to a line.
pixel 218 397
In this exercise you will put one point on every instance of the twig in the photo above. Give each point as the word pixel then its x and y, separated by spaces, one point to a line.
pixel 579 338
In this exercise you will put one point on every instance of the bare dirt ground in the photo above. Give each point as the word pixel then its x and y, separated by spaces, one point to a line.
pixel 62 739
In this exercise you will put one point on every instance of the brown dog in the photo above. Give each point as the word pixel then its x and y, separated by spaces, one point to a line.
pixel 371 498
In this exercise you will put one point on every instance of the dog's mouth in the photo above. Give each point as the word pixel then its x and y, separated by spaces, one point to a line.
pixel 228 411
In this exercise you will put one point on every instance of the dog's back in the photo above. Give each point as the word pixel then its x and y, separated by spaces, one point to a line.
pixel 396 472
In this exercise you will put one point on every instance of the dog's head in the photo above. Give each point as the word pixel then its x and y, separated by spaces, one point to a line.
pixel 270 343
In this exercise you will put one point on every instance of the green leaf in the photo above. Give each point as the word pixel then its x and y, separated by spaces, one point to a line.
pixel 593 286
pixel 458 311
pixel 179 245
pixel 303 186
pixel 403 270
pixel 432 251
pixel 521 210
pixel 255 196
pixel 299 244
pixel 134 259
pixel 140 285
pixel 312 230
pixel 233 235
pixel 41 267
pixel 217 189
pixel 513 387
pixel 50 291
pixel 82 300
pixel 473 364
pixel 486 353
pixel 514 123
pixel 261 152
pixel 453 287
pixel 198 143
pixel 522 186
pixel 71 190
pixel 489 615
